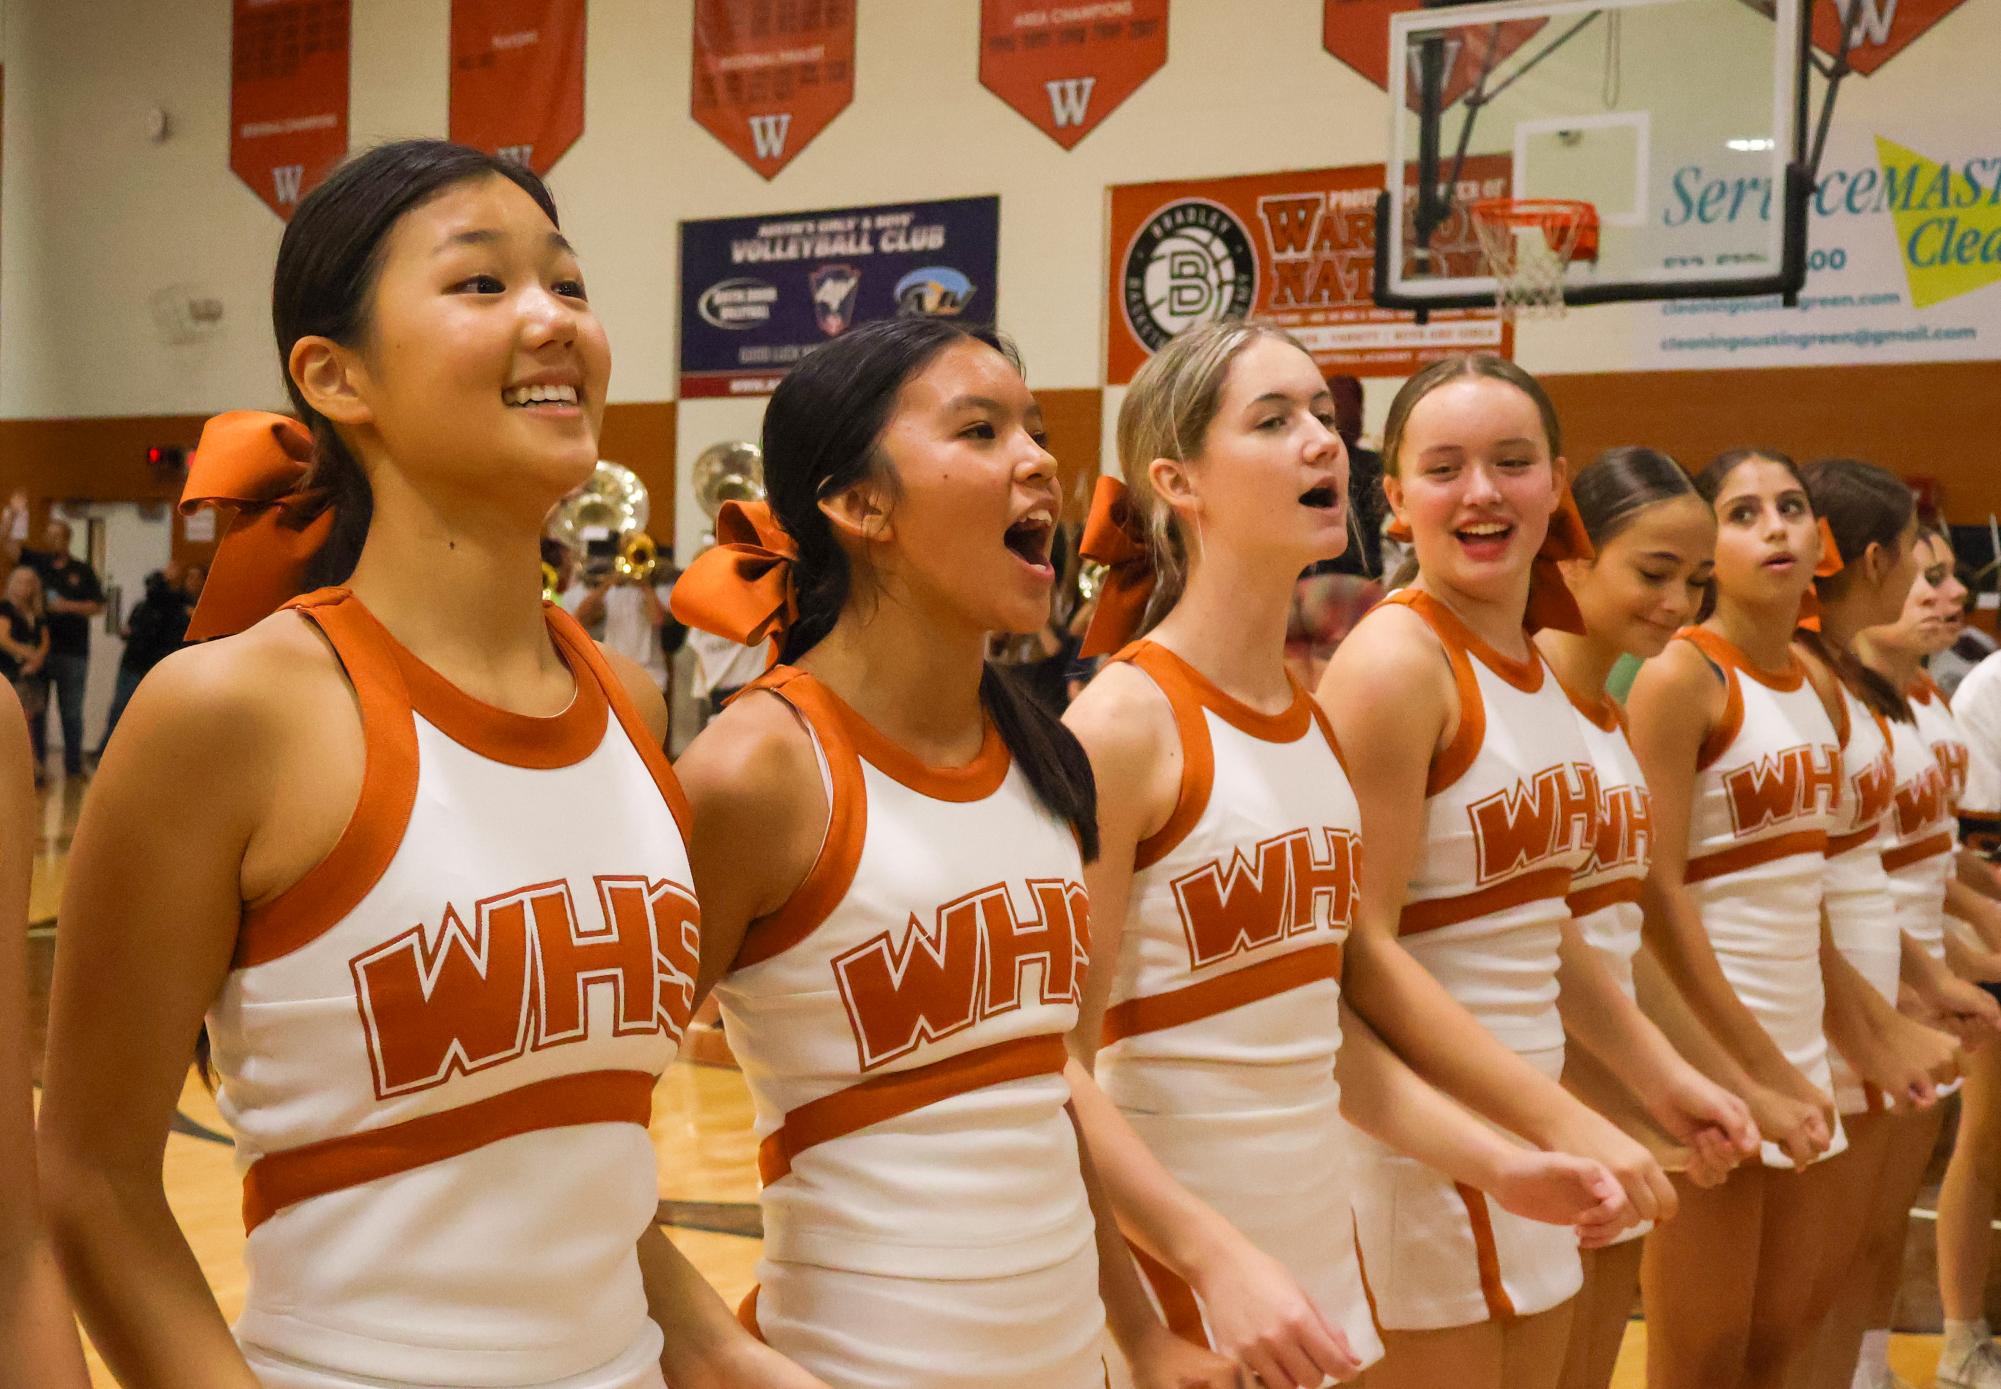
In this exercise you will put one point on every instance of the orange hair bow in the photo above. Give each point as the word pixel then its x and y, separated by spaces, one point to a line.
pixel 256 463
pixel 742 587
pixel 1114 537
pixel 1831 563
pixel 1550 603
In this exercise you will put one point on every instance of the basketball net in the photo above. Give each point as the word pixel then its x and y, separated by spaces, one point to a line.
pixel 1528 243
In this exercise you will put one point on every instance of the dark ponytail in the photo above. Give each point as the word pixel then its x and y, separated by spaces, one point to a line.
pixel 822 432
pixel 328 263
pixel 1863 505
pixel 1620 484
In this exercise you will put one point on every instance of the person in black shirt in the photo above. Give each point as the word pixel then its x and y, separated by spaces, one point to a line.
pixel 24 649
pixel 1367 507
pixel 156 629
pixel 74 597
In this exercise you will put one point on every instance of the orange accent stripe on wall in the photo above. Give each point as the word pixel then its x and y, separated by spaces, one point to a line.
pixel 1222 992
pixel 282 1179
pixel 1739 857
pixel 1544 884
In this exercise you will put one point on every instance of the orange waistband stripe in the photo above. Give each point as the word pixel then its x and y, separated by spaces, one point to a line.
pixel 1904 855
pixel 1739 857
pixel 1603 895
pixel 888 1097
pixel 1543 885
pixel 1839 844
pixel 1223 992
pixel 282 1179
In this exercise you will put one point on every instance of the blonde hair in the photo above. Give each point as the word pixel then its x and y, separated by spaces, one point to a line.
pixel 1458 366
pixel 35 595
pixel 1166 414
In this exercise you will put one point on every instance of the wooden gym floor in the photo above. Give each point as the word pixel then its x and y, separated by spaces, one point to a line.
pixel 702 1141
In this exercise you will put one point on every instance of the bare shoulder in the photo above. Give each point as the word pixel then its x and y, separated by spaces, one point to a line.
pixel 755 757
pixel 1391 659
pixel 1122 718
pixel 638 685
pixel 1681 672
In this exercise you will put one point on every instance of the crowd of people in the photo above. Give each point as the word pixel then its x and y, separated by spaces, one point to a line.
pixel 1222 1031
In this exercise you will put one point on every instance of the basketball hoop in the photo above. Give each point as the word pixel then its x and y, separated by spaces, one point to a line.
pixel 1527 244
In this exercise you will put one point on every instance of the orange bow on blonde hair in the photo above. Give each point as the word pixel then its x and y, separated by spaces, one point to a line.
pixel 743 586
pixel 256 463
pixel 1831 563
pixel 1115 537
pixel 1550 603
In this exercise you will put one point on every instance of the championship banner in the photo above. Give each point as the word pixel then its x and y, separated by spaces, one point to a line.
pixel 518 78
pixel 1878 30
pixel 1358 33
pixel 1297 249
pixel 769 77
pixel 1067 67
pixel 287 96
pixel 759 293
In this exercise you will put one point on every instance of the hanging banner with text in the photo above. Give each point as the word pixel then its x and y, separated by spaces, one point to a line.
pixel 518 78
pixel 1358 33
pixel 287 96
pixel 759 293
pixel 769 77
pixel 1298 249
pixel 1067 67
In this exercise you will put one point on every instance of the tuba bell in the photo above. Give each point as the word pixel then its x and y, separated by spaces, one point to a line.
pixel 732 471
pixel 603 523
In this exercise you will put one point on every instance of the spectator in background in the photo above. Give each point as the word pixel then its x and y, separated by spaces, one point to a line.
pixel 24 650
pixel 722 667
pixel 1970 646
pixel 193 579
pixel 156 629
pixel 74 597
pixel 629 617
pixel 1332 596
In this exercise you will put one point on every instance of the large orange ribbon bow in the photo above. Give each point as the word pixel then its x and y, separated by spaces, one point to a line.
pixel 256 463
pixel 1115 538
pixel 742 587
pixel 1550 603
pixel 1830 564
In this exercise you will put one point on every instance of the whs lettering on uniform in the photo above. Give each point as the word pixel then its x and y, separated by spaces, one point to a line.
pixel 1923 800
pixel 1953 759
pixel 1875 787
pixel 1783 786
pixel 1625 829
pixel 518 978
pixel 1554 812
pixel 1288 887
pixel 969 964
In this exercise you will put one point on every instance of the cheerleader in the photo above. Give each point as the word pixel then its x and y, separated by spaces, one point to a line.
pixel 1478 805
pixel 891 840
pixel 409 845
pixel 1215 1024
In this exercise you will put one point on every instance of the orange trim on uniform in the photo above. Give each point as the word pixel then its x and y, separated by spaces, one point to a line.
pixel 1739 857
pixel 1725 652
pixel 1223 992
pixel 586 652
pixel 1326 726
pixel 1288 725
pixel 1904 855
pixel 1179 1308
pixel 1603 713
pixel 975 781
pixel 1718 740
pixel 1545 884
pixel 1596 898
pixel 1499 1305
pixel 1452 761
pixel 1362 1268
pixel 1839 844
pixel 334 886
pixel 746 1314
pixel 1524 674
pixel 1924 689
pixel 833 870
pixel 887 1097
pixel 1198 753
pixel 282 1179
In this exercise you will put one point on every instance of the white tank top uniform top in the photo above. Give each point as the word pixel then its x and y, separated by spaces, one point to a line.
pixel 1766 786
pixel 1919 851
pixel 1860 915
pixel 1224 1015
pixel 437 1051
pixel 900 1023
pixel 1509 818
pixel 1976 708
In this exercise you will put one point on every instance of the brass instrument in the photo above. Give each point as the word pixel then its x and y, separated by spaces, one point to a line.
pixel 610 507
pixel 732 471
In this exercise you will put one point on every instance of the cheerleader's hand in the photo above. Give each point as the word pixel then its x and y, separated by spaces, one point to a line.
pixel 1711 1123
pixel 1559 1189
pixel 1260 1317
pixel 1797 1125
pixel 1162 1360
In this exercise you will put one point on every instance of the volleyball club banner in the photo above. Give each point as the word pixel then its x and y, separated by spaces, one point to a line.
pixel 1298 249
pixel 759 293
pixel 518 78
pixel 1067 67
pixel 770 77
pixel 1358 33
pixel 287 96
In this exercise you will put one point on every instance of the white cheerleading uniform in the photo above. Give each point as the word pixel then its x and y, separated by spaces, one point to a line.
pixel 900 1023
pixel 1509 818
pixel 1919 851
pixel 1976 708
pixel 437 1051
pixel 1224 1015
pixel 1766 787
pixel 1860 915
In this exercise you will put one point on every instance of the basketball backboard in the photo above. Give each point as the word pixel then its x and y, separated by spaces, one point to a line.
pixel 1680 121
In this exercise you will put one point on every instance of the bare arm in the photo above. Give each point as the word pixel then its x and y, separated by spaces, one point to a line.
pixel 1903 1059
pixel 35 1324
pixel 706 1347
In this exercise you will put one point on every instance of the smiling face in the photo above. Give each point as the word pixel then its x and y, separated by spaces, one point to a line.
pixel 1475 483
pixel 1647 581
pixel 966 524
pixel 1767 541
pixel 1272 475
pixel 483 368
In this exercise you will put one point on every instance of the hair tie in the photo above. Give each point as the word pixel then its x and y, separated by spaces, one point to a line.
pixel 1115 538
pixel 1550 603
pixel 256 463
pixel 1830 564
pixel 743 586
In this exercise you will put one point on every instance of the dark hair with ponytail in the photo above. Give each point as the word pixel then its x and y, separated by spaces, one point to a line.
pixel 328 263
pixel 1709 482
pixel 822 435
pixel 1863 505
pixel 1620 484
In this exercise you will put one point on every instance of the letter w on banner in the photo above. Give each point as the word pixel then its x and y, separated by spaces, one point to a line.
pixel 1067 68
pixel 1358 33
pixel 287 96
pixel 769 77
pixel 518 78
pixel 1878 29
